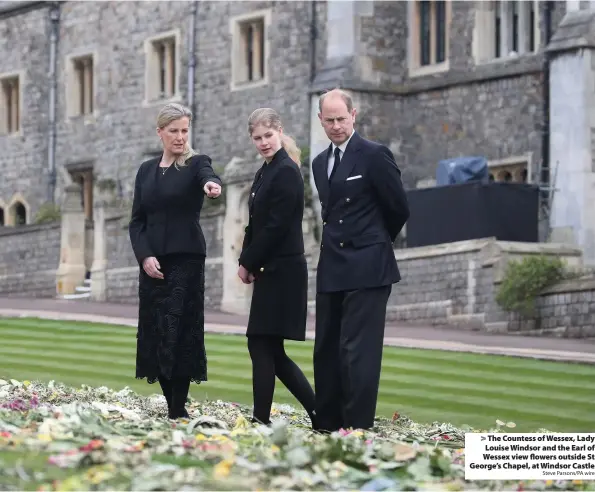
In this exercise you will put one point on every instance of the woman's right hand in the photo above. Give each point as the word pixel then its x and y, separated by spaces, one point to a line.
pixel 152 267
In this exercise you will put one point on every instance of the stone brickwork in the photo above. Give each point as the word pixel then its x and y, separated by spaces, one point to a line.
pixel 490 109
pixel 434 286
pixel 122 133
pixel 439 284
pixel 29 257
pixel 119 251
pixel 456 283
pixel 493 109
pixel 564 310
pixel 23 159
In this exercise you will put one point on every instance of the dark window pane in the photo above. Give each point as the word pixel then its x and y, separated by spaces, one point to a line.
pixel 261 48
pixel 515 27
pixel 250 53
pixel 440 31
pixel 162 68
pixel 424 32
pixel 531 27
pixel 497 28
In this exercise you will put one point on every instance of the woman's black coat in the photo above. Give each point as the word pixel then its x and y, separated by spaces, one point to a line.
pixel 273 250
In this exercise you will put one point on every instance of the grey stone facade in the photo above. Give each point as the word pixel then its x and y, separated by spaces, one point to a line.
pixel 564 310
pixel 570 311
pixel 28 260
pixel 23 156
pixel 121 133
pixel 492 109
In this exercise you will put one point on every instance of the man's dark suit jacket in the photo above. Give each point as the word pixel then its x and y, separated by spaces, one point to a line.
pixel 166 209
pixel 363 210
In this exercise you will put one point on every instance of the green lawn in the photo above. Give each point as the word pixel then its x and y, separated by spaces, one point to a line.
pixel 422 384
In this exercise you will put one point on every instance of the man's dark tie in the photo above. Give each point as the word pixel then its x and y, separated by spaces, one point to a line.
pixel 336 163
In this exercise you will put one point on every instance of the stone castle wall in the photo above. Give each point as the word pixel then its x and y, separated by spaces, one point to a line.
pixel 29 257
pixel 492 109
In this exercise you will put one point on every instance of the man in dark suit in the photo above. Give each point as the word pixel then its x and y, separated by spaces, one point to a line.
pixel 364 207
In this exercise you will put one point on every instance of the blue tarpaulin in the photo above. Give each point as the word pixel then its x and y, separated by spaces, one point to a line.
pixel 462 170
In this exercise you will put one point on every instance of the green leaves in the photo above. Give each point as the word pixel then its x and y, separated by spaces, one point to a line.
pixel 524 280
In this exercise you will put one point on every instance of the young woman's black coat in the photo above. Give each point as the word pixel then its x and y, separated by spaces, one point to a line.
pixel 273 250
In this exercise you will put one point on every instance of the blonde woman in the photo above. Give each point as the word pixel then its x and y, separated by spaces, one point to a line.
pixel 273 258
pixel 170 248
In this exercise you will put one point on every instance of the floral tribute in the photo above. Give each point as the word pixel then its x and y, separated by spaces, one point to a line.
pixel 55 437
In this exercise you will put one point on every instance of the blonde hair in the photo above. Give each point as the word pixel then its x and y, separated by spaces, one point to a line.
pixel 172 112
pixel 270 119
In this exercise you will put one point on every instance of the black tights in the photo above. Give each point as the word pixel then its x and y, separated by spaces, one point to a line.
pixel 176 393
pixel 269 360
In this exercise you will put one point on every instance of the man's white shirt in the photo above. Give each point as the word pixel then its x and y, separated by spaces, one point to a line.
pixel 331 159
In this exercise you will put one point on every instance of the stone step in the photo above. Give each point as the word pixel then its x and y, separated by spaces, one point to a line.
pixel 82 288
pixel 83 295
pixel 87 281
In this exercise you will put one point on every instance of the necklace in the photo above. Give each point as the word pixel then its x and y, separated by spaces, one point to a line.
pixel 165 168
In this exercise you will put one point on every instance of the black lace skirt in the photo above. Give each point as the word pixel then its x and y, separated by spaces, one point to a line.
pixel 170 337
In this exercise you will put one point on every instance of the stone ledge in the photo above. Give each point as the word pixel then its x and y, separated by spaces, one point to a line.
pixel 339 73
pixel 514 247
pixel 35 276
pixel 28 228
pixel 572 285
pixel 576 31
pixel 442 249
pixel 17 8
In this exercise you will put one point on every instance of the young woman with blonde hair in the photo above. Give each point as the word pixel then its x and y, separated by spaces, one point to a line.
pixel 273 259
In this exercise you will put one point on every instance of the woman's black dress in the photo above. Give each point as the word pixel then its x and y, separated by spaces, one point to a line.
pixel 170 339
pixel 170 336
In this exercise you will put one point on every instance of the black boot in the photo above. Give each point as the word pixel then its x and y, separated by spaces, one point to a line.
pixel 166 388
pixel 180 389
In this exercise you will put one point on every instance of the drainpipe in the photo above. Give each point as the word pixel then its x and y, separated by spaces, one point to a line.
pixel 53 83
pixel 192 67
pixel 545 136
pixel 315 204
pixel 313 36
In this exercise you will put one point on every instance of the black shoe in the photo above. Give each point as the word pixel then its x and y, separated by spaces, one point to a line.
pixel 178 414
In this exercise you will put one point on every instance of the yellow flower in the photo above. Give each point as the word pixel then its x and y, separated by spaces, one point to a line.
pixel 44 437
pixel 275 448
pixel 200 437
pixel 222 469
pixel 98 474
pixel 241 423
pixel 26 384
